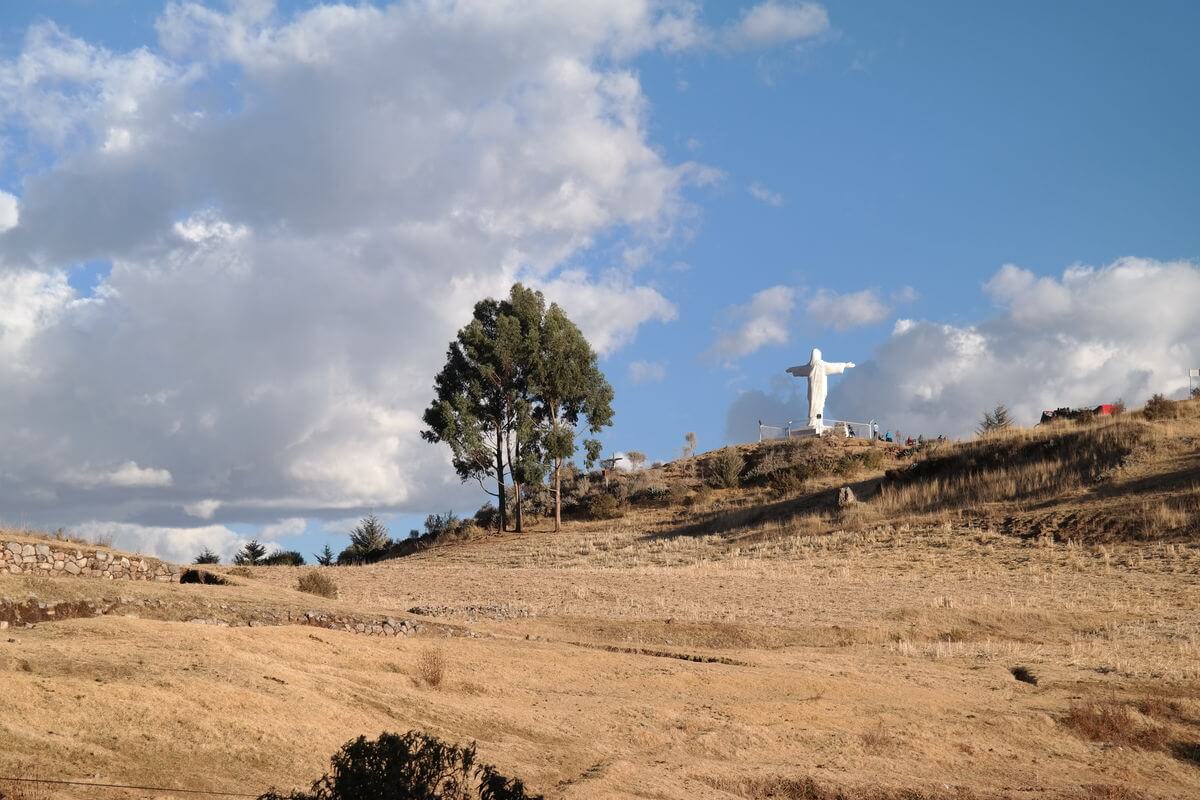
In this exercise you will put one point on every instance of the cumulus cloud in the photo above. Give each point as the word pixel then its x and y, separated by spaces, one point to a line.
pixel 768 317
pixel 10 213
pixel 292 248
pixel 292 526
pixel 773 23
pixel 763 321
pixel 647 372
pixel 765 195
pixel 841 312
pixel 1089 336
pixel 127 476
pixel 170 543
pixel 202 509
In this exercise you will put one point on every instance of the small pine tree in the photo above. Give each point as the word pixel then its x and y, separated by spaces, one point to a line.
pixel 689 447
pixel 996 420
pixel 252 552
pixel 636 458
pixel 370 536
pixel 207 556
pixel 325 557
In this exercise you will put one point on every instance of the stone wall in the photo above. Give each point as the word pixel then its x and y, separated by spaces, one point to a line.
pixel 67 560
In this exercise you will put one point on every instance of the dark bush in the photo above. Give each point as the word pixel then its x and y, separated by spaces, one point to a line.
pixel 654 494
pixel 284 558
pixel 438 524
pixel 488 517
pixel 1159 407
pixel 724 470
pixel 601 506
pixel 414 766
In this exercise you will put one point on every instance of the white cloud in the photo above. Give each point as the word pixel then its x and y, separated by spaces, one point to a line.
pixel 1089 336
pixel 202 509
pixel 647 372
pixel 10 212
pixel 179 545
pixel 30 302
pixel 292 526
pixel 761 322
pixel 768 317
pixel 294 247
pixel 775 22
pixel 124 476
pixel 609 312
pixel 765 195
pixel 841 312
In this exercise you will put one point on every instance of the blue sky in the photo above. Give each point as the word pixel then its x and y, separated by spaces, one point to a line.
pixel 977 203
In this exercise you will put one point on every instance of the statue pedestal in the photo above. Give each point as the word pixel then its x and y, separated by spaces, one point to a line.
pixel 802 433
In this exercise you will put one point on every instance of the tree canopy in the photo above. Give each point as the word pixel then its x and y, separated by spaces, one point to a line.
pixel 520 379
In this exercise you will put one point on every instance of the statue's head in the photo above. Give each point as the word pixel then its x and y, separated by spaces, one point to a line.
pixel 816 355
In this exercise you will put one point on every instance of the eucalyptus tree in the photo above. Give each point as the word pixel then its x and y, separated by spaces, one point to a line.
pixel 569 390
pixel 518 380
pixel 471 410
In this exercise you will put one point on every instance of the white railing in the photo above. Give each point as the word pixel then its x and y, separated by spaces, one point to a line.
pixel 834 427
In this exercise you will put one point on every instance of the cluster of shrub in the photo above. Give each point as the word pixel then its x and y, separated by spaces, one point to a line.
pixel 370 541
pixel 415 765
pixel 1160 407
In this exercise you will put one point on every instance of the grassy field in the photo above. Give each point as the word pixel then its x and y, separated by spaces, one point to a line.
pixel 1016 618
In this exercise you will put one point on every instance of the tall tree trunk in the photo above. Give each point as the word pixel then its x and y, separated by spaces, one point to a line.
pixel 520 508
pixel 557 495
pixel 512 461
pixel 501 499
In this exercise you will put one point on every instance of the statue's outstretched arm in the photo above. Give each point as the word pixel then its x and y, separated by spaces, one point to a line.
pixel 802 371
pixel 834 367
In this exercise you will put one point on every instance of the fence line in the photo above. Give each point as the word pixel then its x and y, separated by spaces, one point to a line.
pixel 835 427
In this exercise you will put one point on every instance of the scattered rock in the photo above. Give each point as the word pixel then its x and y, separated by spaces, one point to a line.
pixel 846 497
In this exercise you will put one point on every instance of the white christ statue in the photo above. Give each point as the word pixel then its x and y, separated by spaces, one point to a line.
pixel 816 371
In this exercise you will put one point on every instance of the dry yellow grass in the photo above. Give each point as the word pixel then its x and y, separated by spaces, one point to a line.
pixel 755 646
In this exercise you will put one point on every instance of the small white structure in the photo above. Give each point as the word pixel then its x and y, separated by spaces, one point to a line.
pixel 817 370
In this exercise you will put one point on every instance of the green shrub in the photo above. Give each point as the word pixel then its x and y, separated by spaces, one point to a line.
pixel 787 481
pixel 654 494
pixel 873 459
pixel 846 465
pixel 724 470
pixel 488 517
pixel 415 766
pixel 602 506
pixel 317 582
pixel 284 558
pixel 1159 407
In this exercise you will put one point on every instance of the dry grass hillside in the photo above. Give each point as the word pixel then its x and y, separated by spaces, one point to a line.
pixel 1016 617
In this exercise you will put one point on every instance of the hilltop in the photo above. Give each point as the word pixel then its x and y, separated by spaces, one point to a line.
pixel 1013 617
